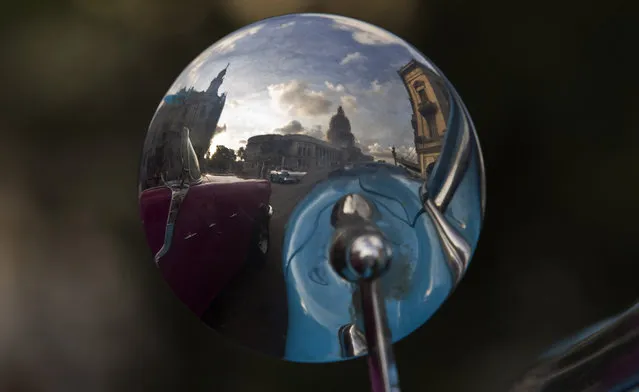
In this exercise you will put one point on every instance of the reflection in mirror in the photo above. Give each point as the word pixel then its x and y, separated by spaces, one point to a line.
pixel 254 145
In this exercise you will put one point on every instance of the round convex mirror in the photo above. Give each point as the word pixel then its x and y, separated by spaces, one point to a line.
pixel 251 159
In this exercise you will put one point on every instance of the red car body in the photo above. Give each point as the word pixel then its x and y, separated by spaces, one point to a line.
pixel 212 237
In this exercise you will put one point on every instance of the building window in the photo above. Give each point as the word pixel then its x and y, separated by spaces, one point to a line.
pixel 422 95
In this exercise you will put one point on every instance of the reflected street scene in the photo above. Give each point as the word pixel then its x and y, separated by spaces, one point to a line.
pixel 258 140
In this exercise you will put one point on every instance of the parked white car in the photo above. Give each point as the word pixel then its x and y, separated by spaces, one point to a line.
pixel 286 177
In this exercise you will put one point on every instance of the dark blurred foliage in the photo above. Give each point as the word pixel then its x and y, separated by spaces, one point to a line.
pixel 222 160
pixel 551 85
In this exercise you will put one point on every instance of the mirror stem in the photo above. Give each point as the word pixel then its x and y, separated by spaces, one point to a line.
pixel 361 254
pixel 381 360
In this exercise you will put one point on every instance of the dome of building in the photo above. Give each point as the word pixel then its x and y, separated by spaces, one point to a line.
pixel 339 130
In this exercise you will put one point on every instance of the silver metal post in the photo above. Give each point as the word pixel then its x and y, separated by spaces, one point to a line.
pixel 361 254
pixel 381 361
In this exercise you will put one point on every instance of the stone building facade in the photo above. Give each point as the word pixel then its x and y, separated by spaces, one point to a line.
pixel 293 152
pixel 199 111
pixel 430 101
pixel 186 116
pixel 300 152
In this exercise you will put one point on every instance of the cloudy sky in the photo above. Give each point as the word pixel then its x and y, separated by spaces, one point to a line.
pixel 289 74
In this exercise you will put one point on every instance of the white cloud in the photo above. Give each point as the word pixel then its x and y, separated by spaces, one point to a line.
pixel 368 34
pixel 378 90
pixel 334 87
pixel 375 86
pixel 296 128
pixel 292 127
pixel 382 151
pixel 285 25
pixel 227 43
pixel 364 33
pixel 297 99
pixel 193 73
pixel 376 148
pixel 349 103
pixel 233 103
pixel 352 57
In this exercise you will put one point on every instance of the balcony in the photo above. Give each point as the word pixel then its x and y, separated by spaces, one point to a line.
pixel 427 108
pixel 420 139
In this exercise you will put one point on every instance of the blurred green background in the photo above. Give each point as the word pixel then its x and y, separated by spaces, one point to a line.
pixel 551 85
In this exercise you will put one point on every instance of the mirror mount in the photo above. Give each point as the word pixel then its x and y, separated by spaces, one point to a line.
pixel 361 254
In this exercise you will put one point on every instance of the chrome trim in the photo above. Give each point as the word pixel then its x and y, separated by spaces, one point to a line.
pixel 179 189
pixel 480 158
pixel 456 249
pixel 482 175
pixel 177 197
pixel 458 166
pixel 456 173
pixel 352 341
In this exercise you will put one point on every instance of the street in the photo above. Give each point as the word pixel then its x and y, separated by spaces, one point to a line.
pixel 252 309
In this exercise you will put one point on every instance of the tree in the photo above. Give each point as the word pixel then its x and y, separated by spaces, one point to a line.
pixel 241 153
pixel 222 160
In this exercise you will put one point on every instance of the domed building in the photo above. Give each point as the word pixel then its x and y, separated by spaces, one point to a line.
pixel 293 152
pixel 339 130
pixel 302 152
pixel 339 134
